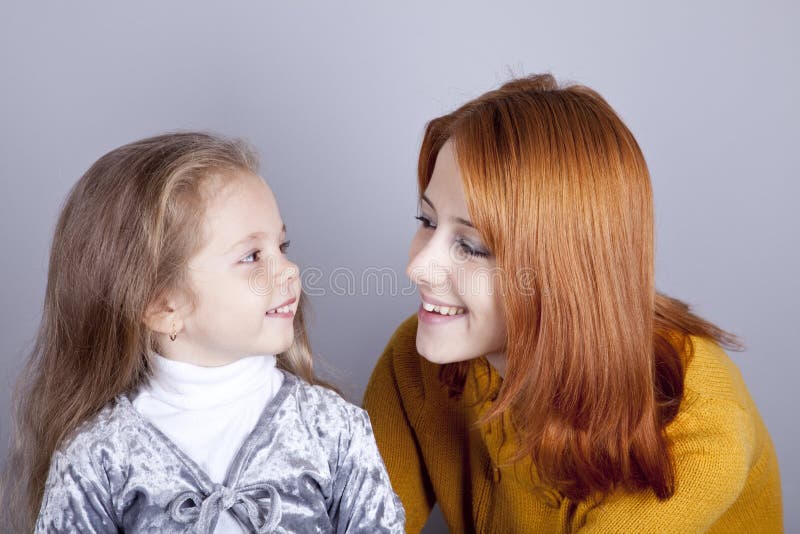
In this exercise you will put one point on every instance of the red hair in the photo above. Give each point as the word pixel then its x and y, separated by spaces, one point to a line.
pixel 557 186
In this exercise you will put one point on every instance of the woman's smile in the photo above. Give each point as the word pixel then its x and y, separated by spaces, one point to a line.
pixel 435 312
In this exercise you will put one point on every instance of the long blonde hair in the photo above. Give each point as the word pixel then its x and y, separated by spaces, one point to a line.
pixel 557 186
pixel 124 237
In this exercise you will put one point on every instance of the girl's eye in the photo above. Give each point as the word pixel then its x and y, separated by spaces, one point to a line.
pixel 466 248
pixel 252 255
pixel 256 254
pixel 425 222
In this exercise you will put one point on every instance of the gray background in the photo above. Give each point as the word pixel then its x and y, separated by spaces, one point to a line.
pixel 335 96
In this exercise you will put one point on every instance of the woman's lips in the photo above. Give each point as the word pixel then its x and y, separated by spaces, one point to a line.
pixel 431 317
pixel 429 312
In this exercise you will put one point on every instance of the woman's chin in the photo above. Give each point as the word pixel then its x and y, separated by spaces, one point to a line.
pixel 439 355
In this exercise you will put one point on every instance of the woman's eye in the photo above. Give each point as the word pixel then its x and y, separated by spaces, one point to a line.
pixel 285 246
pixel 425 222
pixel 466 248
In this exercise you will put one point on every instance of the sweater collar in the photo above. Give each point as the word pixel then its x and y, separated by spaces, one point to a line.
pixel 499 436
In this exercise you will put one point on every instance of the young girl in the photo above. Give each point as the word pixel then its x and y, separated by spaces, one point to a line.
pixel 170 388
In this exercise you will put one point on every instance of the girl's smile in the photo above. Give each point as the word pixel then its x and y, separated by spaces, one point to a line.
pixel 284 311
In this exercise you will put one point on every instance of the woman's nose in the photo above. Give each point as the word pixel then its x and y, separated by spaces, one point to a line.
pixel 428 264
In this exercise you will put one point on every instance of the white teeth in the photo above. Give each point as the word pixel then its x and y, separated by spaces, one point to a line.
pixel 442 310
pixel 284 309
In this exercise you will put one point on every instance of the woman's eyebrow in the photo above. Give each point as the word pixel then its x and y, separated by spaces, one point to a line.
pixel 459 220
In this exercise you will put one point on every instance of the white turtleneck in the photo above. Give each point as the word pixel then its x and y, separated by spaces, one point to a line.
pixel 209 411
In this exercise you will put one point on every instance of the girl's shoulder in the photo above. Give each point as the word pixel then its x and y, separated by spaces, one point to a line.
pixel 105 427
pixel 97 450
pixel 321 409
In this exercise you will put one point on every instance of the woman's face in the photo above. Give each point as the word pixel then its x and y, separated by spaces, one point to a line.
pixel 460 316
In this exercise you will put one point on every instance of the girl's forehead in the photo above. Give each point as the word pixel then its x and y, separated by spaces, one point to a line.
pixel 242 209
pixel 242 197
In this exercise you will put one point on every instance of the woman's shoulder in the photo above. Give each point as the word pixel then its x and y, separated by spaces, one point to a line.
pixel 411 373
pixel 711 374
pixel 404 339
pixel 404 383
pixel 717 409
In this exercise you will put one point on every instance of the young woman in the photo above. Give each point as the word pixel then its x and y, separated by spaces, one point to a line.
pixel 544 384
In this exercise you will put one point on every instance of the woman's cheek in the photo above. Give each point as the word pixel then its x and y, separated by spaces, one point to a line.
pixel 417 242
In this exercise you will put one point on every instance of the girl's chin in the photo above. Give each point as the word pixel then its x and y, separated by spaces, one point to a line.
pixel 283 347
pixel 278 344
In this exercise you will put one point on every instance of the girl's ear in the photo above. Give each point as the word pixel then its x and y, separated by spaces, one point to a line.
pixel 163 316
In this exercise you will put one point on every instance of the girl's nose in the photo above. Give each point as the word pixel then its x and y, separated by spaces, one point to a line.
pixel 288 273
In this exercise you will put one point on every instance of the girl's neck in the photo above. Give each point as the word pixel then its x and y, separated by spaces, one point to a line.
pixel 190 353
pixel 189 386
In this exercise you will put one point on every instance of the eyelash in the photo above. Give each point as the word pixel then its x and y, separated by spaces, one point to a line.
pixel 426 223
pixel 465 247
pixel 283 247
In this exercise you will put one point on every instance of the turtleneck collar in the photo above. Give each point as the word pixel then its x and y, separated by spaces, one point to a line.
pixel 191 387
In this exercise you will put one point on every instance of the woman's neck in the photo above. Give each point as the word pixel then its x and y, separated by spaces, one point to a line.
pixel 498 361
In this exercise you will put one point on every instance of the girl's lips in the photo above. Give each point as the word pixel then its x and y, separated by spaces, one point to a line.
pixel 287 315
pixel 284 315
pixel 437 318
pixel 290 301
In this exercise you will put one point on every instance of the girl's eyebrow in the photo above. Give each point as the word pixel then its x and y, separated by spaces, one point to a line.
pixel 459 220
pixel 252 237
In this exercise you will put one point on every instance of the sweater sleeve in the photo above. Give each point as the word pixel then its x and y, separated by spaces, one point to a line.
pixel 76 496
pixel 397 442
pixel 712 452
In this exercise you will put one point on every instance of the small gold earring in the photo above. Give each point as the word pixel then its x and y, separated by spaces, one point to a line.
pixel 174 334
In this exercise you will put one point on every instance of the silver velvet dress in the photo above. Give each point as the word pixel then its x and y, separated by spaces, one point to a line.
pixel 310 465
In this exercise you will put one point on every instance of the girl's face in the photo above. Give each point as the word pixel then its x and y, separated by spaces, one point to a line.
pixel 247 289
pixel 460 316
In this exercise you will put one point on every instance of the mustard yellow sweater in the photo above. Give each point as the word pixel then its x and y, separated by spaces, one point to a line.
pixel 727 476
